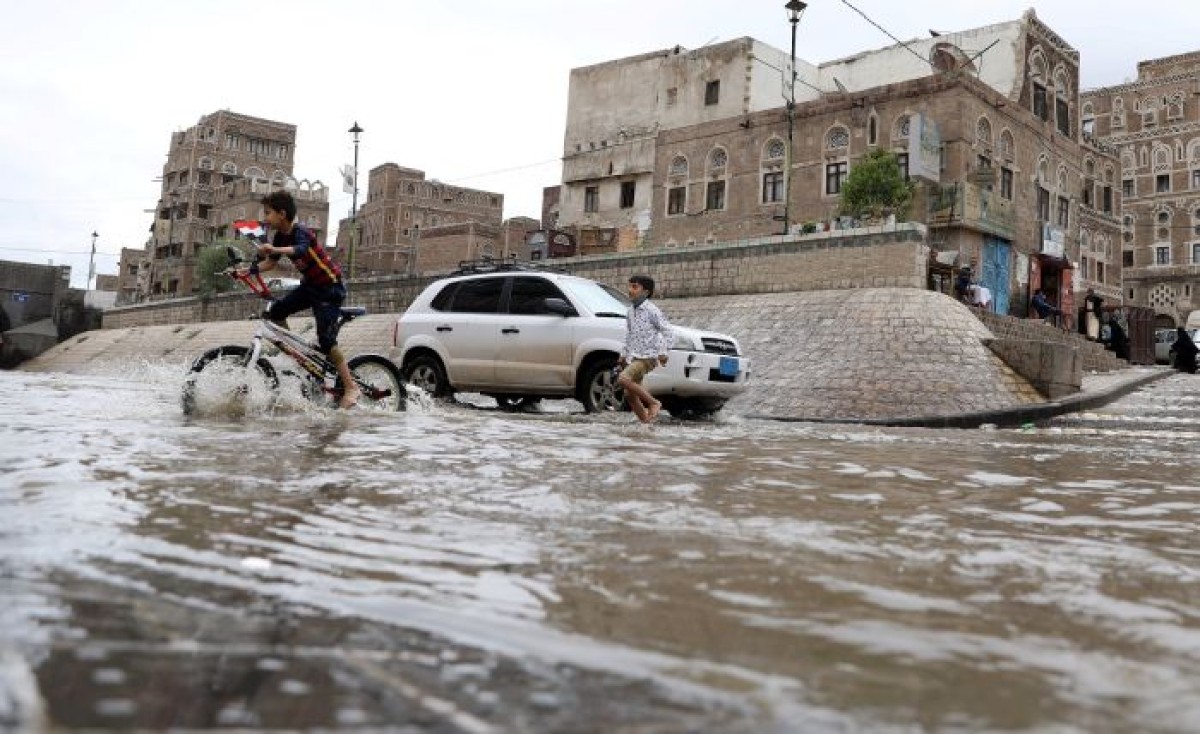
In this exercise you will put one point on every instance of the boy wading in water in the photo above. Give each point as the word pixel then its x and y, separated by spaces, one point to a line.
pixel 647 338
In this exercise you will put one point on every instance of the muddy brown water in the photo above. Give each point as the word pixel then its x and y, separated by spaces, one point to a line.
pixel 456 568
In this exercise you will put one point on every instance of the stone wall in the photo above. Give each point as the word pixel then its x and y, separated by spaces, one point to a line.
pixel 867 258
pixel 1094 357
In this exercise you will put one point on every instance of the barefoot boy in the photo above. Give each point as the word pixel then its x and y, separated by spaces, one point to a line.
pixel 647 339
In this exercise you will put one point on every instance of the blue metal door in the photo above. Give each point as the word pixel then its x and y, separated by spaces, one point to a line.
pixel 997 254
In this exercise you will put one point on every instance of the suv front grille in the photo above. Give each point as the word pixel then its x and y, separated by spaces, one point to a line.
pixel 719 346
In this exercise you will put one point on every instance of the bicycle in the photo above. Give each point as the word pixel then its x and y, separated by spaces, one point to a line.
pixel 376 376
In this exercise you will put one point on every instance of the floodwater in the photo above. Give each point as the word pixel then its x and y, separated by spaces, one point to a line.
pixel 460 569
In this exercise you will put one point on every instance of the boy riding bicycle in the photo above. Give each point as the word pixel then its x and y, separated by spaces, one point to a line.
pixel 321 287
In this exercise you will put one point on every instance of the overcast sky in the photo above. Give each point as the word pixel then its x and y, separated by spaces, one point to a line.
pixel 472 92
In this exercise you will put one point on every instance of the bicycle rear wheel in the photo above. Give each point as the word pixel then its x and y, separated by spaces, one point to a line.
pixel 380 382
pixel 222 372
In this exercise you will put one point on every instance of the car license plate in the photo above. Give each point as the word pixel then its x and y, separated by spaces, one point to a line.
pixel 730 366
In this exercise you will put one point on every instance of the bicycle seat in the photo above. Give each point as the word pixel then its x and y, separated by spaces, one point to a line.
pixel 351 312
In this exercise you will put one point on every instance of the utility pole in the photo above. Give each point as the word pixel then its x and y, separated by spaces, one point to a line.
pixel 92 261
pixel 795 9
pixel 356 130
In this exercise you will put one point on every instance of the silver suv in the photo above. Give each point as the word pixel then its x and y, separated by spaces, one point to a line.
pixel 520 335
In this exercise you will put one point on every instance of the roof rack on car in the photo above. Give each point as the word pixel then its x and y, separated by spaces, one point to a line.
pixel 495 265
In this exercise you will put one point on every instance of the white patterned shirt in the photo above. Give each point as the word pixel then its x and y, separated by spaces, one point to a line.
pixel 648 333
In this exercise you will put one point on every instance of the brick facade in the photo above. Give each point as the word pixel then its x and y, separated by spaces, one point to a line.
pixel 216 172
pixel 1154 123
pixel 1012 160
pixel 411 225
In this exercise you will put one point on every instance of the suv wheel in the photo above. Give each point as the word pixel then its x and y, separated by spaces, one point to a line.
pixel 426 372
pixel 599 391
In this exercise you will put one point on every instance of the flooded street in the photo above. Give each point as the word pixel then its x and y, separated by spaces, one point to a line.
pixel 459 569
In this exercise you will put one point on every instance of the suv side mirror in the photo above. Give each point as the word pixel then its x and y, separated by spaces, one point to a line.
pixel 560 307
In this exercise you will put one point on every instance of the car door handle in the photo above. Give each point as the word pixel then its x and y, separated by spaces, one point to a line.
pixel 445 328
pixel 510 330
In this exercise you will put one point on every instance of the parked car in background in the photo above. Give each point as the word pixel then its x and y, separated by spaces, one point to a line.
pixel 519 335
pixel 283 284
pixel 1164 339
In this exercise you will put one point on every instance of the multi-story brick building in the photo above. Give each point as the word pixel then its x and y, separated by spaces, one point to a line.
pixel 987 119
pixel 1154 122
pixel 215 174
pixel 133 273
pixel 411 225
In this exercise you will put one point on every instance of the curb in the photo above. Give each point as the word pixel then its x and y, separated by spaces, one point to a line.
pixel 1006 417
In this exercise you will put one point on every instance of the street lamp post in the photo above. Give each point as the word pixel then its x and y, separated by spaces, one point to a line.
pixel 356 130
pixel 92 261
pixel 795 9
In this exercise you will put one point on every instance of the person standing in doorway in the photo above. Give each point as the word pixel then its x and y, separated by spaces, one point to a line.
pixel 648 337
pixel 1092 305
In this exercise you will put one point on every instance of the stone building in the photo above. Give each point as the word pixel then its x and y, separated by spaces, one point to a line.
pixel 616 111
pixel 409 224
pixel 215 174
pixel 1154 123
pixel 986 120
pixel 133 274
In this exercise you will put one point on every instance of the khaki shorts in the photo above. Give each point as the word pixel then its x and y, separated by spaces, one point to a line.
pixel 637 369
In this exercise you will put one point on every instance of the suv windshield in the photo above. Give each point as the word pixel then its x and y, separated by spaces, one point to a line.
pixel 598 298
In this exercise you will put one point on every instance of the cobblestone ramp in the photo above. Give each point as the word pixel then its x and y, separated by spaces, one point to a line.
pixel 864 354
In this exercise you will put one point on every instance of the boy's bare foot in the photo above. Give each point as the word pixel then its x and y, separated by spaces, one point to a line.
pixel 349 397
pixel 652 411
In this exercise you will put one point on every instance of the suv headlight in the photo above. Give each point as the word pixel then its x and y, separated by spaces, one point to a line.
pixel 686 343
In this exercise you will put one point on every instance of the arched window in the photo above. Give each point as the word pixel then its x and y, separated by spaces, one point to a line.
pixel 1149 109
pixel 677 187
pixel 1118 112
pixel 1006 144
pixel 229 168
pixel 1039 99
pixel 900 131
pixel 1175 106
pixel 772 173
pixel 983 131
pixel 872 129
pixel 1162 158
pixel 1062 103
pixel 837 160
pixel 205 164
pixel 714 192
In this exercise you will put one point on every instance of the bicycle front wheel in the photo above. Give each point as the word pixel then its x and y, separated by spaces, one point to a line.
pixel 380 382
pixel 221 375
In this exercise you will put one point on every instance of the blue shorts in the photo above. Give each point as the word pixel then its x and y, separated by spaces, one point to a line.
pixel 325 302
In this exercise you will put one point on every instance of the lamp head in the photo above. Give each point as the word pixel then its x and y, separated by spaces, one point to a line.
pixel 795 9
pixel 356 129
